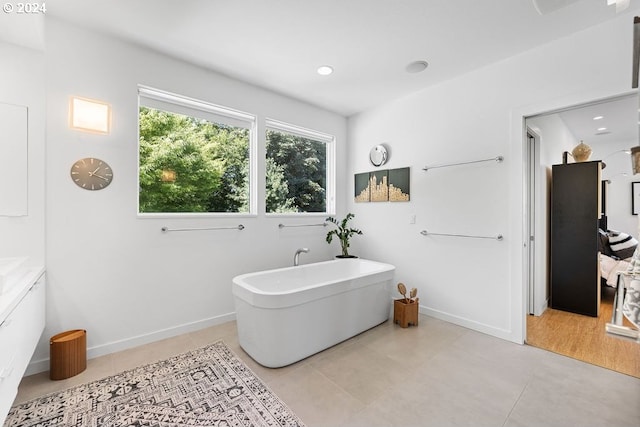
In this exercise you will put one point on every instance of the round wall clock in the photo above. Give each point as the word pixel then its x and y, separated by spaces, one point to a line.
pixel 91 174
pixel 378 155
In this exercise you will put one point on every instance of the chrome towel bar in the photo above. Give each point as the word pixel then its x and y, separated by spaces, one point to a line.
pixel 324 224
pixel 428 233
pixel 167 229
pixel 493 159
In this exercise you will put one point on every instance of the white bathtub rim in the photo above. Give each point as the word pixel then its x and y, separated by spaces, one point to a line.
pixel 301 298
pixel 240 279
pixel 307 293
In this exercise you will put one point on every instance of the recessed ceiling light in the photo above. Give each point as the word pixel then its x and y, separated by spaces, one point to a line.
pixel 417 66
pixel 598 118
pixel 325 70
pixel 601 129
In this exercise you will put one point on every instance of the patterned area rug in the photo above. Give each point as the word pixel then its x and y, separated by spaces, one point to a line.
pixel 210 386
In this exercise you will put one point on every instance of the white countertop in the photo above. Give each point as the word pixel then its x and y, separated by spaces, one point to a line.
pixel 10 299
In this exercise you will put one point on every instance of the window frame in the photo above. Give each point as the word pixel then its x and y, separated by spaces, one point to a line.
pixel 330 144
pixel 215 113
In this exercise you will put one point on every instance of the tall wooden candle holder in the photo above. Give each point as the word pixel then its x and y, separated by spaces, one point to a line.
pixel 405 312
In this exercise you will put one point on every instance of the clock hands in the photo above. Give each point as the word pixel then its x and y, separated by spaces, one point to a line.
pixel 96 175
pixel 101 177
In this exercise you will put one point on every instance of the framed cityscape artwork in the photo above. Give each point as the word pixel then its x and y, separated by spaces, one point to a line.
pixel 379 186
pixel 399 185
pixel 391 185
pixel 362 193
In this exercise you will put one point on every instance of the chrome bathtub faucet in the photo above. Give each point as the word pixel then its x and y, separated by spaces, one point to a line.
pixel 296 257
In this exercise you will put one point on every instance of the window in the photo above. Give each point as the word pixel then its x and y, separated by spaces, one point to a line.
pixel 194 157
pixel 299 169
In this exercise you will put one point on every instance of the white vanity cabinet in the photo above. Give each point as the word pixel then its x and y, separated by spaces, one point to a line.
pixel 22 317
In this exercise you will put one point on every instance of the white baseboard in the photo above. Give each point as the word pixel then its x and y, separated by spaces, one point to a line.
pixel 504 334
pixel 42 365
pixel 541 308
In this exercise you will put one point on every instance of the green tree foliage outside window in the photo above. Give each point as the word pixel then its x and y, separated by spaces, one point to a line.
pixel 188 164
pixel 296 173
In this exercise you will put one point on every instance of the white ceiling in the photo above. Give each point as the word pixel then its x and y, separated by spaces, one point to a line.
pixel 619 117
pixel 278 44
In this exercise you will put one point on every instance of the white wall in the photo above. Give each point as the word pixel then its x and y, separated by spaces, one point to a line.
pixel 476 283
pixel 555 138
pixel 23 83
pixel 619 215
pixel 115 274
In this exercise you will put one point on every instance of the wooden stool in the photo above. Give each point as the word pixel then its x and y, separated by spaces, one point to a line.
pixel 68 354
pixel 405 313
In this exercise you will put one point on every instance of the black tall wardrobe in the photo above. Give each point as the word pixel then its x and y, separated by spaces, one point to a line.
pixel 575 212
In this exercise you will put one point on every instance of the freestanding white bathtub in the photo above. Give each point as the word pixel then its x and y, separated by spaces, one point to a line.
pixel 287 314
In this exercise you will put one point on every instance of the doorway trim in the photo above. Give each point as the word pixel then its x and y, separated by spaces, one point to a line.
pixel 532 185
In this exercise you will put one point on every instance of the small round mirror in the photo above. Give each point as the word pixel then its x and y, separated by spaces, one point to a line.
pixel 378 155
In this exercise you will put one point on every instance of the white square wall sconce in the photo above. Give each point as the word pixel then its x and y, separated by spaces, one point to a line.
pixel 89 115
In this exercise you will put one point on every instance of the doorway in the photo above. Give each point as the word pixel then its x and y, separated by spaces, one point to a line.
pixel 549 135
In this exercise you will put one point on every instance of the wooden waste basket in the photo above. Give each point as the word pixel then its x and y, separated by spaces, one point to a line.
pixel 68 354
pixel 405 312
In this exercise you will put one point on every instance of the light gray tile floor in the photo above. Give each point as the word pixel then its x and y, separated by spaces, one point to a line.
pixel 435 374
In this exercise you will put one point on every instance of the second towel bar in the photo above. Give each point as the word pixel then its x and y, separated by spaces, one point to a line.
pixel 427 233
pixel 167 229
pixel 324 224
pixel 493 159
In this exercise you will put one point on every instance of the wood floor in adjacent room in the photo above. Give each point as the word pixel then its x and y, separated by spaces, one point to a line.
pixel 584 337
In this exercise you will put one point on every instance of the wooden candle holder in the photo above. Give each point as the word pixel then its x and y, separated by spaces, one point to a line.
pixel 405 312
